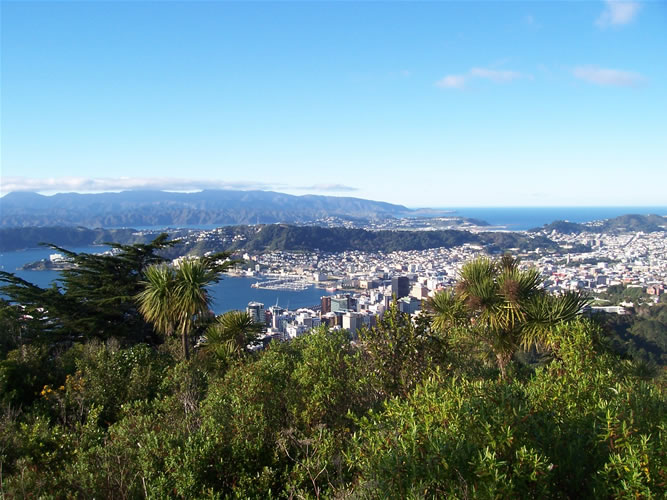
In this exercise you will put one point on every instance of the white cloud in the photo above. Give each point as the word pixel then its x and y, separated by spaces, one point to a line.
pixel 498 76
pixel 452 82
pixel 495 75
pixel 328 187
pixel 530 22
pixel 86 184
pixel 617 13
pixel 93 185
pixel 606 76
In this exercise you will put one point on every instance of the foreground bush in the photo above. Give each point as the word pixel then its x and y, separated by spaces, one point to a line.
pixel 325 417
pixel 583 426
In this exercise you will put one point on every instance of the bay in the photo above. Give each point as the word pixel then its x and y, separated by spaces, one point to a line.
pixel 12 261
pixel 230 293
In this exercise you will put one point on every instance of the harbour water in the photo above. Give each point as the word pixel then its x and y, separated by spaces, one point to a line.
pixel 230 293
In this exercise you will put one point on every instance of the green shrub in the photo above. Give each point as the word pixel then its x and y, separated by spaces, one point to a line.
pixel 581 426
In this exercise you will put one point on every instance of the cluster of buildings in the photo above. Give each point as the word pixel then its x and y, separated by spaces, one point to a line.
pixel 637 259
pixel 345 310
pixel 367 282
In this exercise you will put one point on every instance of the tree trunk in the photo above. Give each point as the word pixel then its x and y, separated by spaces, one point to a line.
pixel 503 359
pixel 186 351
pixel 184 338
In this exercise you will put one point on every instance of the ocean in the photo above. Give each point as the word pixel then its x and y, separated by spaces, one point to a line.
pixel 524 218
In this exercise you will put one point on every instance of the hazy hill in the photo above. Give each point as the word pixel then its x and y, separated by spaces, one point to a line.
pixel 159 208
pixel 624 223
pixel 634 222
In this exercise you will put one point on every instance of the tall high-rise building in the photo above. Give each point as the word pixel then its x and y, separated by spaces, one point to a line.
pixel 352 321
pixel 400 286
pixel 276 315
pixel 340 303
pixel 256 312
pixel 326 305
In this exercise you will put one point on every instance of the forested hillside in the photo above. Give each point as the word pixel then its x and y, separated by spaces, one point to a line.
pixel 271 237
pixel 100 398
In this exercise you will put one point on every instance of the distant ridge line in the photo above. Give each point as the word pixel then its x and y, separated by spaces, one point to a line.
pixel 159 208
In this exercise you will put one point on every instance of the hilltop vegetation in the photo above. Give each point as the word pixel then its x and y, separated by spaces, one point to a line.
pixel 96 403
pixel 310 238
pixel 284 237
pixel 641 335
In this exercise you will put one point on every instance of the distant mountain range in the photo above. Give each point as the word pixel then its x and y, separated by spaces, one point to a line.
pixel 159 208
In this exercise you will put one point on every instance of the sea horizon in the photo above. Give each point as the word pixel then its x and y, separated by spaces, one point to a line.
pixel 522 218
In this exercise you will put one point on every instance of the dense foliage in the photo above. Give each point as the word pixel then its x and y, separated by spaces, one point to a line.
pixel 95 298
pixel 504 307
pixel 404 410
pixel 642 335
pixel 615 294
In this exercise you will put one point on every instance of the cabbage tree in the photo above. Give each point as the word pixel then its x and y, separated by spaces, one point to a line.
pixel 174 298
pixel 504 306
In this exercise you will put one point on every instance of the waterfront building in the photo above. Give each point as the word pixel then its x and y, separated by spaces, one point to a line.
pixel 256 311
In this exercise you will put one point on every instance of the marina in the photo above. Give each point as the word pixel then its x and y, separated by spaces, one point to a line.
pixel 283 284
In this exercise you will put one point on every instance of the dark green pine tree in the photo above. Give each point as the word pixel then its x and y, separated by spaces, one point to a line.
pixel 95 298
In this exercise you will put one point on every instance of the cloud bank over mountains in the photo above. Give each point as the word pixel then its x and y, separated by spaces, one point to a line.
pixel 104 184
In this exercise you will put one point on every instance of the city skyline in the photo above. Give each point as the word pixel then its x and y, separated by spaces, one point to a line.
pixel 420 104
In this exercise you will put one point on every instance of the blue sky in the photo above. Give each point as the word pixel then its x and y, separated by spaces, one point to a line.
pixel 424 104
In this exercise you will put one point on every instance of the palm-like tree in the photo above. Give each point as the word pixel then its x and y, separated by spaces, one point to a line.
pixel 504 306
pixel 174 298
pixel 156 299
pixel 231 333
